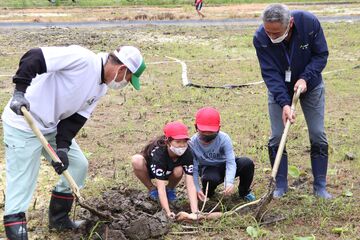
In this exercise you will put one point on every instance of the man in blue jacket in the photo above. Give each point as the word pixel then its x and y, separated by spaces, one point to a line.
pixel 292 52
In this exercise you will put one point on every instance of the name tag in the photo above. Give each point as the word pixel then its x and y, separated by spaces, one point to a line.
pixel 288 76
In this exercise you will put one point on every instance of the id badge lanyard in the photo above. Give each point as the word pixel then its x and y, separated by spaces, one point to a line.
pixel 288 58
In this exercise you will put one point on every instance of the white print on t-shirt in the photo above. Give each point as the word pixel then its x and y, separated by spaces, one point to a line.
pixel 189 169
pixel 91 100
pixel 157 171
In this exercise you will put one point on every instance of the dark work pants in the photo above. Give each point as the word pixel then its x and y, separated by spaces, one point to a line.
pixel 215 175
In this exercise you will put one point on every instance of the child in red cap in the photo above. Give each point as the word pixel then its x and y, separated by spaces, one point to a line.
pixel 165 159
pixel 215 161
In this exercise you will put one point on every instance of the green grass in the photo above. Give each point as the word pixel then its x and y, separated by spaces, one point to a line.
pixel 124 122
pixel 166 3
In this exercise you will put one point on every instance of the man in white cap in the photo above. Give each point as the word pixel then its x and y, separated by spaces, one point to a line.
pixel 60 86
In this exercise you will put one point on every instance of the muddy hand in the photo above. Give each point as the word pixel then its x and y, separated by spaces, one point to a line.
pixel 201 195
pixel 228 190
pixel 171 215
pixel 184 216
pixel 193 216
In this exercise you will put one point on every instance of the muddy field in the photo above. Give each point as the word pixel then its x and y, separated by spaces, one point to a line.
pixel 124 121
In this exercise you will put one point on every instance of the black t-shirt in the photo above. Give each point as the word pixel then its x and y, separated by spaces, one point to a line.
pixel 161 165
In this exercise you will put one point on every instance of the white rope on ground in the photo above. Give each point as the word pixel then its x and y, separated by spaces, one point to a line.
pixel 159 62
pixel 185 80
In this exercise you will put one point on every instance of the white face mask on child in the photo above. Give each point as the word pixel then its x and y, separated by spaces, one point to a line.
pixel 178 150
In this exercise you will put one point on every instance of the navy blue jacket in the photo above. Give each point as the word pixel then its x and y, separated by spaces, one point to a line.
pixel 308 59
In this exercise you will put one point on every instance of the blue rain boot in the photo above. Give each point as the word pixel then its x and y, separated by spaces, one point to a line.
pixel 281 176
pixel 171 194
pixel 250 197
pixel 319 163
pixel 154 194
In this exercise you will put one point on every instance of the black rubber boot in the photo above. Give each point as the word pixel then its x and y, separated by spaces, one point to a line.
pixel 281 176
pixel 319 164
pixel 15 226
pixel 60 206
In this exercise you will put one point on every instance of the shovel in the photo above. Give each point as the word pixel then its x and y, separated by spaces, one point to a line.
pixel 266 199
pixel 73 186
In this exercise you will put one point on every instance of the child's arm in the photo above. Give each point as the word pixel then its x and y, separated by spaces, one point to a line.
pixel 230 165
pixel 191 191
pixel 161 187
pixel 200 193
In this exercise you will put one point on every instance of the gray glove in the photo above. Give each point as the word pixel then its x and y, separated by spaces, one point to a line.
pixel 18 101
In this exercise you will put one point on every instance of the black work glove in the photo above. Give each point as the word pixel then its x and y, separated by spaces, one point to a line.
pixel 62 154
pixel 18 101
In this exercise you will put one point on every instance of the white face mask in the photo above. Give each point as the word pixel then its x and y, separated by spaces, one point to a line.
pixel 118 85
pixel 178 150
pixel 281 38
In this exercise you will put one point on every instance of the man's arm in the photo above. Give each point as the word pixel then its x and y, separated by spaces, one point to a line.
pixel 31 64
pixel 320 53
pixel 67 130
pixel 271 76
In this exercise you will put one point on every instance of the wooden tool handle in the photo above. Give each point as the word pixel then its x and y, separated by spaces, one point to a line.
pixel 284 135
pixel 29 119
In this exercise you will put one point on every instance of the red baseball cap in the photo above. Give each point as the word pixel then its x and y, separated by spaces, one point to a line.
pixel 208 119
pixel 176 130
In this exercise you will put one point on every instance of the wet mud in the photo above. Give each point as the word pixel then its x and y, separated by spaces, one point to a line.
pixel 134 215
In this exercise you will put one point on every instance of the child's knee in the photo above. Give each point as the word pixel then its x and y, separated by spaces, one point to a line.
pixel 137 161
pixel 178 171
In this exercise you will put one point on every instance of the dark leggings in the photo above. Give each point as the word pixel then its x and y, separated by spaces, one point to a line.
pixel 214 175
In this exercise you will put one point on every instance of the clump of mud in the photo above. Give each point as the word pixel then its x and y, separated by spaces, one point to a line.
pixel 135 216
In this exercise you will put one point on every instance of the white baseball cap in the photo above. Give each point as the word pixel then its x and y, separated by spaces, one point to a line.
pixel 131 57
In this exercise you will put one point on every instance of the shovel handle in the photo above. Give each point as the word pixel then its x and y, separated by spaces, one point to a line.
pixel 284 135
pixel 29 119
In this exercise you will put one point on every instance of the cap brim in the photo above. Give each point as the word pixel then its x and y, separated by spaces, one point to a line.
pixel 178 137
pixel 135 81
pixel 208 128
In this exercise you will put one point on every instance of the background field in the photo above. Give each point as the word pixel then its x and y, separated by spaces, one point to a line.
pixel 170 3
pixel 124 121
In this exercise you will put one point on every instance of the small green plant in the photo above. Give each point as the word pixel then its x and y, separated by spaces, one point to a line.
pixel 93 231
pixel 294 171
pixel 347 193
pixel 255 232
pixel 339 230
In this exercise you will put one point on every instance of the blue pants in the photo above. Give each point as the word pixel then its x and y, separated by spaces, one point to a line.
pixel 312 104
pixel 313 107
pixel 22 154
